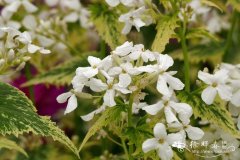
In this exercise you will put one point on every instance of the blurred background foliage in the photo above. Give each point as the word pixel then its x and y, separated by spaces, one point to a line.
pixel 52 74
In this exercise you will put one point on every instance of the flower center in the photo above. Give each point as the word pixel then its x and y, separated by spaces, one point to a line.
pixel 165 103
pixel 161 141
pixel 214 84
pixel 110 86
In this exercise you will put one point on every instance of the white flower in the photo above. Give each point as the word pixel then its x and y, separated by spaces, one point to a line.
pixel 162 142
pixel 77 13
pixel 166 81
pixel 128 3
pixel 52 3
pixel 137 106
pixel 170 107
pixel 96 64
pixel 125 73
pixel 8 23
pixel 198 7
pixel 132 18
pixel 124 49
pixel 234 70
pixel 26 39
pixel 194 133
pixel 72 102
pixel 110 87
pixel 90 116
pixel 216 84
pixel 14 5
pixel 138 51
pixel 215 23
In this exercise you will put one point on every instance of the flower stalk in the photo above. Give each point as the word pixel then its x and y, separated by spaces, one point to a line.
pixel 185 55
pixel 131 99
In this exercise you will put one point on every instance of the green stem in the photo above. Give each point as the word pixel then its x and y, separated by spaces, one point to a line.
pixel 230 35
pixel 130 150
pixel 103 48
pixel 186 56
pixel 28 75
pixel 114 141
pixel 125 149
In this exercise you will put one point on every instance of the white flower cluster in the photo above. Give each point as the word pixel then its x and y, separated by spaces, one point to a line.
pixel 73 11
pixel 128 70
pixel 225 82
pixel 48 27
pixel 137 16
pixel 200 12
pixel 15 47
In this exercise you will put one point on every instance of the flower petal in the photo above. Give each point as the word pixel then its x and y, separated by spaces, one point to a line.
pixel 153 109
pixel 30 8
pixel 72 104
pixel 114 71
pixel 33 48
pixel 184 111
pixel 205 77
pixel 109 98
pixel 62 98
pixel 94 61
pixel 194 133
pixel 165 61
pixel 113 3
pixel 124 80
pixel 165 152
pixel 71 17
pixel 149 144
pixel 178 137
pixel 208 95
pixel 224 92
pixel 159 131
pixel 236 98
pixel 170 116
pixel 91 72
pixel 173 82
pixel 97 85
pixel 90 116
pixel 138 23
pixel 124 49
pixel 162 86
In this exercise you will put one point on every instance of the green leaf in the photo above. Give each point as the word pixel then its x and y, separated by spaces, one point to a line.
pixel 18 116
pixel 201 33
pixel 204 52
pixel 215 113
pixel 165 31
pixel 235 4
pixel 108 116
pixel 60 75
pixel 107 24
pixel 6 143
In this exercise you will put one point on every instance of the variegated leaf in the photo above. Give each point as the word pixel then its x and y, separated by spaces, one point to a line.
pixel 165 31
pixel 215 113
pixel 107 25
pixel 8 144
pixel 18 116
pixel 60 75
